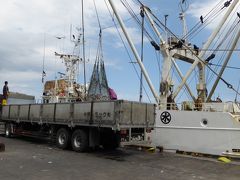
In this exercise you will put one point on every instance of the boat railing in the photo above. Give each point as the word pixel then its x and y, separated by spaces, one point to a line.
pixel 230 107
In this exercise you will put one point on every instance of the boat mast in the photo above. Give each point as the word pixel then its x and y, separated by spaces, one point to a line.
pixel 167 63
pixel 141 74
pixel 183 6
pixel 170 53
pixel 84 57
pixel 44 56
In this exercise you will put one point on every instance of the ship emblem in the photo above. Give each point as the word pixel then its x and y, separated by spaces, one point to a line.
pixel 165 117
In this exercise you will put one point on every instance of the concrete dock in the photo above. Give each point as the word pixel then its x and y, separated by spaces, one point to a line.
pixel 31 159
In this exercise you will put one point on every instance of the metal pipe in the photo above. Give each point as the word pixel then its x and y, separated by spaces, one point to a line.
pixel 134 52
pixel 167 63
pixel 181 76
pixel 152 24
pixel 224 65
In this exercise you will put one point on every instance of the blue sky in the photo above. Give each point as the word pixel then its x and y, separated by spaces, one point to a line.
pixel 24 23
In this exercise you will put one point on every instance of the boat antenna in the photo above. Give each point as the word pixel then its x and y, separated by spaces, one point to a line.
pixel 71 38
pixel 183 4
pixel 84 58
pixel 43 63
pixel 141 74
pixel 165 23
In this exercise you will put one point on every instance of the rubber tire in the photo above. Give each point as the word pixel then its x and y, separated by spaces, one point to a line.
pixel 8 130
pixel 63 138
pixel 80 141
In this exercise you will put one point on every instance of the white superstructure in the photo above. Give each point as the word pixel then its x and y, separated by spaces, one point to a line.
pixel 65 88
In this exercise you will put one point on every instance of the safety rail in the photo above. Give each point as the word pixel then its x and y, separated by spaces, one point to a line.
pixel 230 107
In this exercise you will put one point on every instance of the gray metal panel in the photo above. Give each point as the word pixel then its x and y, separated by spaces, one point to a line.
pixel 63 113
pixel 23 113
pixel 139 113
pixel 82 112
pixel 103 112
pixel 5 112
pixel 14 112
pixel 48 112
pixel 35 111
pixel 136 114
pixel 151 113
pixel 125 113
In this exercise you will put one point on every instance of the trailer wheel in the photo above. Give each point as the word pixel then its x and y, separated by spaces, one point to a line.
pixel 8 130
pixel 63 138
pixel 79 140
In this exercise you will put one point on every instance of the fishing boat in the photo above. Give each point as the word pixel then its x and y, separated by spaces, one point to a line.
pixel 66 87
pixel 201 124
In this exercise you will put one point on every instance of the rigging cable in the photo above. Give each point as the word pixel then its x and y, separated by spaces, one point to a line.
pixel 226 4
pixel 205 21
pixel 84 58
pixel 227 36
pixel 95 7
pixel 132 13
pixel 135 17
pixel 99 56
pixel 230 67
pixel 199 23
pixel 224 53
pixel 125 47
pixel 99 49
pixel 162 25
pixel 222 79
pixel 219 45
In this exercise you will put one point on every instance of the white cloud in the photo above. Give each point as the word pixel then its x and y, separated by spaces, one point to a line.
pixel 22 28
pixel 202 8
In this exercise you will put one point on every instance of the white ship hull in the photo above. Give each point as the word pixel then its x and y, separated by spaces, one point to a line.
pixel 204 124
pixel 187 132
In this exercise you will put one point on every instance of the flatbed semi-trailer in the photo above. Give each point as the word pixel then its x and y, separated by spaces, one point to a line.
pixel 80 125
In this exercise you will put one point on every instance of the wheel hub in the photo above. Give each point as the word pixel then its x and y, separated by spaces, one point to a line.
pixel 77 142
pixel 62 139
